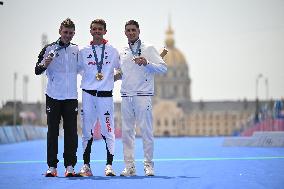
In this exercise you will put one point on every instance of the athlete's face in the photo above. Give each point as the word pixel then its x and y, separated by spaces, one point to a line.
pixel 132 33
pixel 66 34
pixel 98 31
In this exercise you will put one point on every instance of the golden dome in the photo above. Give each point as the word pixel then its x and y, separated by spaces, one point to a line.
pixel 174 56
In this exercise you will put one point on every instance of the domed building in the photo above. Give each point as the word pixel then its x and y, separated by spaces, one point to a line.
pixel 174 112
pixel 171 89
pixel 175 84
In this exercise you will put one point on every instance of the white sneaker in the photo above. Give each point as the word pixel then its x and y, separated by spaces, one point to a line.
pixel 51 172
pixel 148 169
pixel 86 171
pixel 69 171
pixel 128 171
pixel 109 171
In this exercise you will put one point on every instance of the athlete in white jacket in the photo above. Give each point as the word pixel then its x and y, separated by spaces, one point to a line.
pixel 98 62
pixel 60 62
pixel 139 63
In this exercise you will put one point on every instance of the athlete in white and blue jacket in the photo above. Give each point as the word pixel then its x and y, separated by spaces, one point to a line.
pixel 139 63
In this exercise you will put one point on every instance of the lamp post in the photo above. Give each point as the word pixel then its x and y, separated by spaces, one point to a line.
pixel 267 88
pixel 259 76
pixel 25 88
pixel 15 95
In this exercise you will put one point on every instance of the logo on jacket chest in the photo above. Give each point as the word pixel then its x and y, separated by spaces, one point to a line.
pixel 93 62
pixel 127 54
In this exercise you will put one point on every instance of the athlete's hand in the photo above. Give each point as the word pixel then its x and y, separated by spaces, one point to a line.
pixel 140 61
pixel 47 61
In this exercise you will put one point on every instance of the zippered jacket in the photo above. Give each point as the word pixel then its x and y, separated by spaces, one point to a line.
pixel 61 72
pixel 88 67
pixel 139 80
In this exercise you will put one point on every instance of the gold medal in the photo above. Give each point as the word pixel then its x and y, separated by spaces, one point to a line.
pixel 99 76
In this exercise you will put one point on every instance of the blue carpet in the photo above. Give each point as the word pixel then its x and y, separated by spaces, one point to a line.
pixel 179 163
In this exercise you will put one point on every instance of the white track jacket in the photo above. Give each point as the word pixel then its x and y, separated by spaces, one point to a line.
pixel 139 80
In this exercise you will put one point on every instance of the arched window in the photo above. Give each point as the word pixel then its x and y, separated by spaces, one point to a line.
pixel 166 122
pixel 158 123
pixel 174 122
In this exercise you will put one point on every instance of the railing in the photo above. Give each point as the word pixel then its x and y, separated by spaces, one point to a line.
pixel 12 134
pixel 268 124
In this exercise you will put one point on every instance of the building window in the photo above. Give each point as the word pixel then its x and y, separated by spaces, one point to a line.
pixel 158 123
pixel 197 131
pixel 226 115
pixel 163 92
pixel 210 116
pixel 157 90
pixel 196 116
pixel 174 74
pixel 174 122
pixel 166 122
pixel 226 131
pixel 217 117
pixel 210 132
pixel 175 90
pixel 185 92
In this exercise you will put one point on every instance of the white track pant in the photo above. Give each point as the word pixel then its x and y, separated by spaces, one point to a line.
pixel 137 111
pixel 97 108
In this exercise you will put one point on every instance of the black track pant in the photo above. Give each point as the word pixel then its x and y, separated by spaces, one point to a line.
pixel 87 153
pixel 68 110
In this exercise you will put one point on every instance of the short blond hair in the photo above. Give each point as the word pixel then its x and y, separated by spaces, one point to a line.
pixel 67 23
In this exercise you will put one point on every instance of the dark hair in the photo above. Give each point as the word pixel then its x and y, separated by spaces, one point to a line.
pixel 98 21
pixel 67 23
pixel 132 22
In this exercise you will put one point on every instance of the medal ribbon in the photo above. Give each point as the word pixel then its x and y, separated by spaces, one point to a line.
pixel 99 63
pixel 59 46
pixel 137 51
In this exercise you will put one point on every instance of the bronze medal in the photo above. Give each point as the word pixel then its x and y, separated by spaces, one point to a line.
pixel 99 76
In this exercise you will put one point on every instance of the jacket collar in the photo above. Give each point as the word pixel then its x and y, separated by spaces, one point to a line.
pixel 60 43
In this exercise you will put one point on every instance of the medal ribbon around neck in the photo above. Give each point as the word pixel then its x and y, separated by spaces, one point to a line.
pixel 58 48
pixel 137 51
pixel 99 63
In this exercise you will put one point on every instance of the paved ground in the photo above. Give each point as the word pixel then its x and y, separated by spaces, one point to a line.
pixel 180 163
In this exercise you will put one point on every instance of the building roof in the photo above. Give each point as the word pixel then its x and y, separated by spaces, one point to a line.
pixel 174 57
pixel 217 106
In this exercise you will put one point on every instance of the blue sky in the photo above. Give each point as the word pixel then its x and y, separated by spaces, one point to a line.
pixel 227 43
